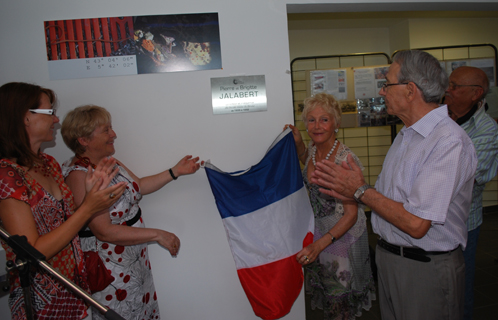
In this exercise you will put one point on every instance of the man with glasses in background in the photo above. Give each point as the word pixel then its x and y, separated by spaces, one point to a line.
pixel 466 102
pixel 421 199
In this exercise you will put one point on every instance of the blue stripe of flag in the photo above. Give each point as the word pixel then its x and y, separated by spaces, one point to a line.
pixel 275 177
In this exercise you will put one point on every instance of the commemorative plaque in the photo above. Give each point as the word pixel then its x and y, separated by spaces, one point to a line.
pixel 238 94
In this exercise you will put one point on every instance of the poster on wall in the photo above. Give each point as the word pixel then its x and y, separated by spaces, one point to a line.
pixel 486 65
pixel 100 47
pixel 372 112
pixel 370 105
pixel 452 65
pixel 333 82
pixel 369 81
pixel 238 94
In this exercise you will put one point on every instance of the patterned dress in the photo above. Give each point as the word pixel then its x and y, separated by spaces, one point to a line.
pixel 340 281
pixel 50 299
pixel 132 294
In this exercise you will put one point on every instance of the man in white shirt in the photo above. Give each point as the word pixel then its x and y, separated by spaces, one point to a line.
pixel 421 199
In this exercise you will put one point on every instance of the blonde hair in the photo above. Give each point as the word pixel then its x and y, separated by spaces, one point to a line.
pixel 325 101
pixel 81 123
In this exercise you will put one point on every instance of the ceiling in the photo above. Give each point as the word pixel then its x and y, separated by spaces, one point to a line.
pixel 393 6
pixel 337 16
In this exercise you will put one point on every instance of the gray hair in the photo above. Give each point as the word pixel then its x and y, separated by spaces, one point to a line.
pixel 425 71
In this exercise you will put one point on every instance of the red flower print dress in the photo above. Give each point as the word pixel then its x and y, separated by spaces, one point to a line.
pixel 132 294
pixel 50 299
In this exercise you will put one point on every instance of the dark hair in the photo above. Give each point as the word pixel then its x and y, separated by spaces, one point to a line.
pixel 425 71
pixel 16 98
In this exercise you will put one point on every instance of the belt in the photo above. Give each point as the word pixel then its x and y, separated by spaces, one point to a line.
pixel 132 221
pixel 416 254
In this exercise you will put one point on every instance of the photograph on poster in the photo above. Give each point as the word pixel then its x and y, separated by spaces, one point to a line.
pixel 372 112
pixel 348 106
pixel 132 45
pixel 486 65
pixel 378 113
pixel 456 64
pixel 369 81
pixel 363 112
pixel 183 42
pixel 330 81
pixel 380 83
pixel 380 73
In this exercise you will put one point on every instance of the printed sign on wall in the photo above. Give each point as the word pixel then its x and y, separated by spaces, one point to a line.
pixel 333 82
pixel 100 47
pixel 238 94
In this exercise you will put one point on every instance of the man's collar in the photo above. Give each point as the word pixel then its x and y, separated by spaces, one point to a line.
pixel 471 112
pixel 426 124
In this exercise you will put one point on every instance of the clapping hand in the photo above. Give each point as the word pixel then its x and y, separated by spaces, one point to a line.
pixel 339 181
pixel 103 174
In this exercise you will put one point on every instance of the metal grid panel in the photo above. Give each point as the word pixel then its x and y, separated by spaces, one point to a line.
pixel 370 144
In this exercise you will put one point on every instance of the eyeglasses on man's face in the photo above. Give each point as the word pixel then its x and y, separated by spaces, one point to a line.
pixel 453 86
pixel 385 85
pixel 44 111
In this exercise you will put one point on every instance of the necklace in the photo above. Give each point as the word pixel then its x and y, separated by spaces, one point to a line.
pixel 84 162
pixel 328 154
pixel 43 168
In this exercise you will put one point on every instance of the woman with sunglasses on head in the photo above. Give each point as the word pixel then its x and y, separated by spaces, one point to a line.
pixel 36 203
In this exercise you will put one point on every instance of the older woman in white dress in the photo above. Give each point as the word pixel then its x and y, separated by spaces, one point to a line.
pixel 118 234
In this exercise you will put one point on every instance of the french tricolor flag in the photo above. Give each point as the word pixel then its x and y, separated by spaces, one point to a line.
pixel 268 219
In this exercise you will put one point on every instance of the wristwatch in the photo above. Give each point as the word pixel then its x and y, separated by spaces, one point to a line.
pixel 360 192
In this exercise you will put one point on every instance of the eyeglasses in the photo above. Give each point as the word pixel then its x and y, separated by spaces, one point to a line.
pixel 385 85
pixel 44 111
pixel 453 86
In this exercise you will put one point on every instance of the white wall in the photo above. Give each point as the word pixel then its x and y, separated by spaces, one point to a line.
pixel 161 117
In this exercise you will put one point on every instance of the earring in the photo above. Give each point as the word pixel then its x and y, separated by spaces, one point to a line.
pixel 336 130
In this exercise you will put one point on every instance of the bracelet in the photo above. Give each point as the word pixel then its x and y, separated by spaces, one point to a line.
pixel 172 175
pixel 333 238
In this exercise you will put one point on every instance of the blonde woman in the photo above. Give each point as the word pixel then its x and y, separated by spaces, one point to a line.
pixel 339 278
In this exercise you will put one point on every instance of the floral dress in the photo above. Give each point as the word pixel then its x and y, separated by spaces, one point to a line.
pixel 49 298
pixel 340 281
pixel 132 294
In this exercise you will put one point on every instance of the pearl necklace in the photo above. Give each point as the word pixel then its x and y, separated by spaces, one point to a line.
pixel 328 154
